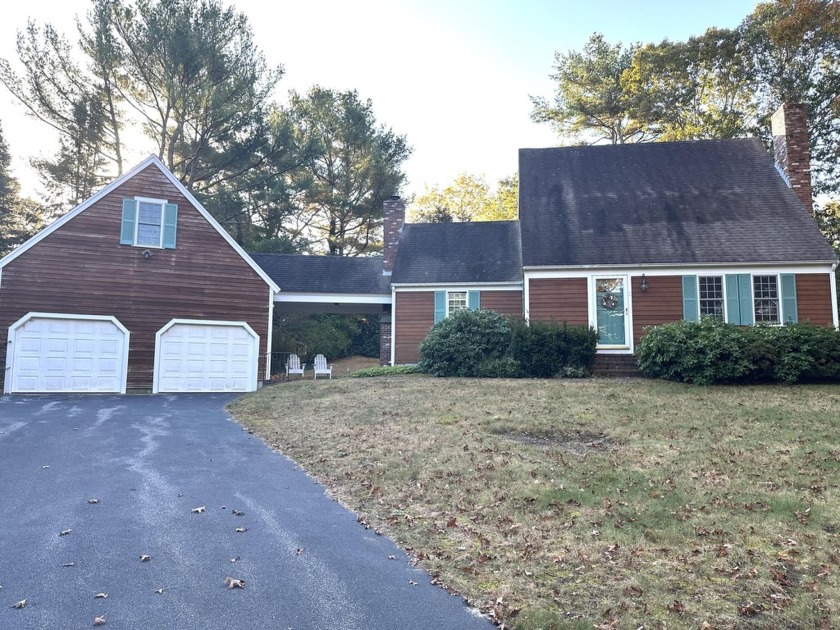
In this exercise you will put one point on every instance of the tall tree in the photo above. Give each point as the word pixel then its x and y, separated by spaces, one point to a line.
pixel 701 88
pixel 353 165
pixel 795 47
pixel 19 218
pixel 57 91
pixel 468 198
pixel 591 103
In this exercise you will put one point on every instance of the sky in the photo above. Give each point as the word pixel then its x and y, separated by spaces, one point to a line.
pixel 454 76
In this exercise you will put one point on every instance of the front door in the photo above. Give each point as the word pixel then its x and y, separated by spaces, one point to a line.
pixel 611 312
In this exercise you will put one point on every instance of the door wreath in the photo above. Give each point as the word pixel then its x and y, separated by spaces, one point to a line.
pixel 609 301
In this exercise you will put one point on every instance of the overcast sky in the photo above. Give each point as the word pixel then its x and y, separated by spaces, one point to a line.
pixel 454 76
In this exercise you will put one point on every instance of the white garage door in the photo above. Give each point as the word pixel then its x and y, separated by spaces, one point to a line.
pixel 67 353
pixel 200 356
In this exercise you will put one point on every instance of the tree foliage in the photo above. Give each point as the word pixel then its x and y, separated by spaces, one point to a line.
pixel 722 84
pixel 19 218
pixel 468 198
pixel 352 165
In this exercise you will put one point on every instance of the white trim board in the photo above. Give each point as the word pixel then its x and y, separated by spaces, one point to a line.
pixel 694 270
pixel 415 288
pixel 333 298
pixel 149 161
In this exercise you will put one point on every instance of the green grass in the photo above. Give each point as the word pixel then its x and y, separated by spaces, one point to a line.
pixel 565 504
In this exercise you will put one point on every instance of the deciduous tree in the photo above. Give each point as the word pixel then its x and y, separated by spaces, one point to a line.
pixel 468 198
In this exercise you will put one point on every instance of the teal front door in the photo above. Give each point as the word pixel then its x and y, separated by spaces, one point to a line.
pixel 610 311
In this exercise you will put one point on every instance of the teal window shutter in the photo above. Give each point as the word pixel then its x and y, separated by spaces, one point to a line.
pixel 474 300
pixel 170 225
pixel 691 307
pixel 733 303
pixel 745 297
pixel 440 306
pixel 129 221
pixel 789 309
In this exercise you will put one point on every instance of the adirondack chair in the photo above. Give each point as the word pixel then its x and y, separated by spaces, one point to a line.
pixel 294 366
pixel 321 367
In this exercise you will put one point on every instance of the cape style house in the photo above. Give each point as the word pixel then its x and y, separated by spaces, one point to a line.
pixel 139 288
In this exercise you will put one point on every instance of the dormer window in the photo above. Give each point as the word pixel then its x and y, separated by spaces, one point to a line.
pixel 149 222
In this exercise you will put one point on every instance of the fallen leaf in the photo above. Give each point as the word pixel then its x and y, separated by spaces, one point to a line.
pixel 676 607
pixel 392 557
pixel 241 530
pixel 158 591
pixel 750 610
pixel 21 604
pixel 65 532
pixel 706 626
pixel 452 522
pixel 633 591
pixel 198 510
pixel 780 578
pixel 68 564
pixel 234 559
pixel 299 550
pixel 234 583
pixel 44 467
pixel 237 512
pixel 412 582
pixel 101 596
pixel 99 621
pixel 145 558
pixel 93 501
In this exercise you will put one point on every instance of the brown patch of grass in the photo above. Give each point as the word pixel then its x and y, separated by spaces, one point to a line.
pixel 715 505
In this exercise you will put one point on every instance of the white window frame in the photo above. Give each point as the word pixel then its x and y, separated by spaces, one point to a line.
pixel 778 298
pixel 149 200
pixel 722 279
pixel 449 309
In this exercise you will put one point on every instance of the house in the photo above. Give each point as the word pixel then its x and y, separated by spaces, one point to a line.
pixel 622 237
pixel 138 288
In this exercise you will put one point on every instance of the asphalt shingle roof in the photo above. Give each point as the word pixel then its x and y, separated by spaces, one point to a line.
pixel 325 274
pixel 716 201
pixel 467 253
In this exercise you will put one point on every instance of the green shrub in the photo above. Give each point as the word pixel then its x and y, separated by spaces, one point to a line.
pixel 544 350
pixel 385 370
pixel 505 367
pixel 457 345
pixel 711 351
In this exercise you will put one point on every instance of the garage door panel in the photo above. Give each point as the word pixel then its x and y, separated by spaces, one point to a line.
pixel 216 357
pixel 53 353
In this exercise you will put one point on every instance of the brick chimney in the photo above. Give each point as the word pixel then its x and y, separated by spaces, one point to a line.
pixel 393 219
pixel 789 126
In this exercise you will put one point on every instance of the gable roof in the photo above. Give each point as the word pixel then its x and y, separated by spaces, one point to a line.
pixel 715 201
pixel 467 253
pixel 152 160
pixel 326 274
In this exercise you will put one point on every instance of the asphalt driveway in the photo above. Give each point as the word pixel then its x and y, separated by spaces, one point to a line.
pixel 150 461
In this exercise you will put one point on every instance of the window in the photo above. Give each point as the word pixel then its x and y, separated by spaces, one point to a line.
pixel 456 301
pixel 766 299
pixel 711 296
pixel 148 223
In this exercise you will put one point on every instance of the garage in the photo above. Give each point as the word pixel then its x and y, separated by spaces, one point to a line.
pixel 67 353
pixel 206 356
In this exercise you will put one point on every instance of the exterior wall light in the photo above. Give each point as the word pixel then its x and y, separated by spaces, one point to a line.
pixel 644 284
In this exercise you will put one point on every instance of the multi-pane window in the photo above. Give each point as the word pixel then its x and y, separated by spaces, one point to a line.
pixel 766 299
pixel 149 223
pixel 711 296
pixel 455 301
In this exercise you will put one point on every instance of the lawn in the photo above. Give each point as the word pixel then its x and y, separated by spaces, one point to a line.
pixel 587 503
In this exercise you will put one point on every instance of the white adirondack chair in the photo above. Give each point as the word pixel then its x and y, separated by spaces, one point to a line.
pixel 321 366
pixel 293 366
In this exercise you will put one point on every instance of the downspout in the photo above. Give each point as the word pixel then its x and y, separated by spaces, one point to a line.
pixel 833 284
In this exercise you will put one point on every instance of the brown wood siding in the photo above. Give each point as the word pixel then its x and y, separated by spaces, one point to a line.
pixel 813 298
pixel 560 299
pixel 414 316
pixel 660 304
pixel 504 302
pixel 81 268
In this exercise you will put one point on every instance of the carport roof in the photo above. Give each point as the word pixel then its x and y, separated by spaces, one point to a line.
pixel 326 274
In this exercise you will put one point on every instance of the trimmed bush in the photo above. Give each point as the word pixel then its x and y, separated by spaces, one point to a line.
pixel 459 344
pixel 711 351
pixel 385 370
pixel 486 344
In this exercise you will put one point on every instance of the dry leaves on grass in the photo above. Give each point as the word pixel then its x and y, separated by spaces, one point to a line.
pixel 145 558
pixel 65 532
pixel 21 604
pixel 199 510
pixel 99 621
pixel 234 583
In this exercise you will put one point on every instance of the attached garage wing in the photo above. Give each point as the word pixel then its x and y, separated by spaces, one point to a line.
pixel 56 352
pixel 206 356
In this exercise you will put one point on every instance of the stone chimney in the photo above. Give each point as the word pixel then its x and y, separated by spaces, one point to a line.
pixel 393 220
pixel 789 126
